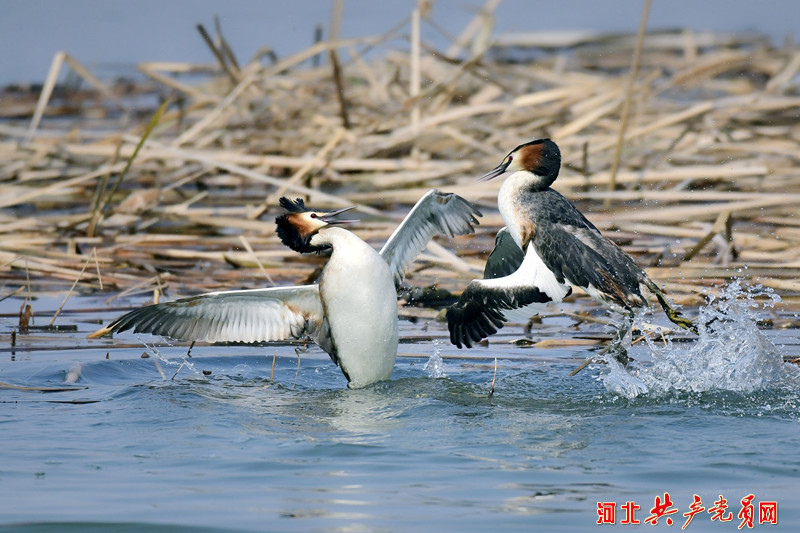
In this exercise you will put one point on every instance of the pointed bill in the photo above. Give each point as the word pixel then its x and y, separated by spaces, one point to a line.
pixel 496 171
pixel 328 217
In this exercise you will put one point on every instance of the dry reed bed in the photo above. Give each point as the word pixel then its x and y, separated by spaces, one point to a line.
pixel 708 184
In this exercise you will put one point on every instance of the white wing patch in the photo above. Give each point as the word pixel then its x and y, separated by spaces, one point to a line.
pixel 485 304
pixel 532 272
pixel 523 314
pixel 542 277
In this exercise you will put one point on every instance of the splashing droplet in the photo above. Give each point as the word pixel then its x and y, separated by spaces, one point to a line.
pixel 730 354
pixel 435 364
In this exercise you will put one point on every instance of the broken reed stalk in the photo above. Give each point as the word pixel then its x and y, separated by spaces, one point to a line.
pixel 339 83
pixel 47 91
pixel 586 362
pixel 336 23
pixel 414 80
pixel 494 378
pixel 12 293
pixel 250 250
pixel 302 171
pixel 473 28
pixel 158 367
pixel 26 309
pixel 224 47
pixel 219 55
pixel 69 292
pixel 297 372
pixel 623 124
pixel 148 130
pixel 720 225
pixel 176 372
pixel 138 286
pixel 100 189
pixel 317 40
pixel 84 73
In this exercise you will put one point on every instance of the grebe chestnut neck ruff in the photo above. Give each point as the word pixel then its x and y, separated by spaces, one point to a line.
pixel 546 247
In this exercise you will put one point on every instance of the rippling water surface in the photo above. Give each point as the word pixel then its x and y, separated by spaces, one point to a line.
pixel 137 444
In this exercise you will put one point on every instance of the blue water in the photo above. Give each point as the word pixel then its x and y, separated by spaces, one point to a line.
pixel 144 441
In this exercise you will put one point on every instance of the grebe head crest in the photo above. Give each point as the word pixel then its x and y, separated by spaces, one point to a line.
pixel 298 225
pixel 540 157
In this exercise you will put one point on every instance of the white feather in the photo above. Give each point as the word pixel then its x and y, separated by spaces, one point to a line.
pixel 436 213
pixel 531 273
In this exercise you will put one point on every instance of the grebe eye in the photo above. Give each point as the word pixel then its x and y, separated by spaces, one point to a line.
pixel 510 158
pixel 313 215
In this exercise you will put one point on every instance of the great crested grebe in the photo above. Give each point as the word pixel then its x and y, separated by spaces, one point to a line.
pixel 351 313
pixel 547 247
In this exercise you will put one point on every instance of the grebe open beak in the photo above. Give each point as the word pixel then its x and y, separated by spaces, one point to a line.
pixel 328 217
pixel 496 171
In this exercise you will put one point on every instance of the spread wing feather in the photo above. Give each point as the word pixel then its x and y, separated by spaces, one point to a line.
pixel 479 312
pixel 486 303
pixel 436 213
pixel 234 316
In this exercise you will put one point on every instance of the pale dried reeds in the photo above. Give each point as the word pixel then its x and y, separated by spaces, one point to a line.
pixel 707 186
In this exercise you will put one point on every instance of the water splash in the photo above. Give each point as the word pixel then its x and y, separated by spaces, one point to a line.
pixel 74 373
pixel 730 354
pixel 158 358
pixel 435 364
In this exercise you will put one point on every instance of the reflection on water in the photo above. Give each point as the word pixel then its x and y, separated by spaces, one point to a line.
pixel 212 442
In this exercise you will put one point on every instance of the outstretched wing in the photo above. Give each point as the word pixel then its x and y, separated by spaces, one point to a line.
pixel 234 316
pixel 479 312
pixel 506 257
pixel 435 213
pixel 486 303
